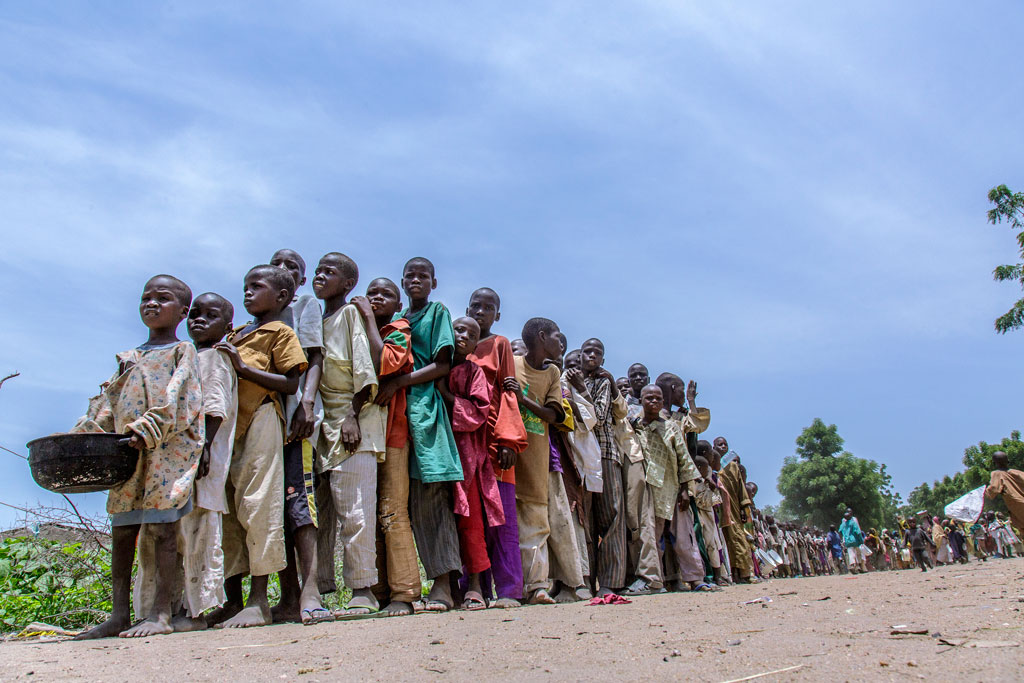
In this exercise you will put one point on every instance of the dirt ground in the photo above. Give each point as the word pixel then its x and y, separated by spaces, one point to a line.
pixel 826 628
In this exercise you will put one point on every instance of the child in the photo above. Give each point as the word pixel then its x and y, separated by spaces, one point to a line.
pixel 672 477
pixel 435 459
pixel 156 397
pixel 268 359
pixel 398 573
pixel 708 497
pixel 506 438
pixel 352 436
pixel 608 519
pixel 538 387
pixel 303 413
pixel 518 347
pixel 1009 484
pixel 200 566
pixel 468 396
pixel 917 539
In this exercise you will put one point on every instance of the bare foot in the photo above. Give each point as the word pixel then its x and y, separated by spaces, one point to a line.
pixel 565 596
pixel 506 603
pixel 222 614
pixel 184 624
pixel 281 613
pixel 541 597
pixel 253 615
pixel 584 593
pixel 363 598
pixel 398 609
pixel 605 591
pixel 108 629
pixel 153 626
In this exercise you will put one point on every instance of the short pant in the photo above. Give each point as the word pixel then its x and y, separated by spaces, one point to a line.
pixel 299 504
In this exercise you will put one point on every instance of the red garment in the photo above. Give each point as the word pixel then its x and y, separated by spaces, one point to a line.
pixel 469 425
pixel 504 423
pixel 472 538
pixel 396 359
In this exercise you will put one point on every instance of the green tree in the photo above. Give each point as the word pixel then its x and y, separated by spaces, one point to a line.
pixel 822 480
pixel 1009 207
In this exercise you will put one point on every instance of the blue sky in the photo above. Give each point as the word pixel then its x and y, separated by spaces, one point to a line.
pixel 785 203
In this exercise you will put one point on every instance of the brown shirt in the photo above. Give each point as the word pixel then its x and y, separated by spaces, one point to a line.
pixel 272 347
pixel 532 466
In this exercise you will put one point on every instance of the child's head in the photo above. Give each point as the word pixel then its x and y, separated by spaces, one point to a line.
pixel 831 527
pixel 703 466
pixel 673 388
pixel 518 347
pixel 593 354
pixel 622 384
pixel 384 298
pixel 751 489
pixel 563 343
pixel 639 377
pixel 720 446
pixel 165 301
pixel 335 276
pixel 541 337
pixel 912 523
pixel 573 360
pixel 1000 461
pixel 467 334
pixel 418 279
pixel 485 308
pixel 293 263
pixel 652 402
pixel 268 290
pixel 209 319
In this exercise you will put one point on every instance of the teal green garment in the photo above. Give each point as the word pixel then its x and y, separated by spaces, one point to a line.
pixel 434 456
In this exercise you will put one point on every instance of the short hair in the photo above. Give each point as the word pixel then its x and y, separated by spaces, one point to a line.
pixel 227 308
pixel 703 447
pixel 279 278
pixel 481 290
pixel 634 365
pixel 298 257
pixel 182 291
pixel 596 340
pixel 348 267
pixel 653 386
pixel 389 283
pixel 533 328
pixel 701 460
pixel 421 260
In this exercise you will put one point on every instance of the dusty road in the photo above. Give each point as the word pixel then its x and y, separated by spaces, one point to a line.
pixel 710 637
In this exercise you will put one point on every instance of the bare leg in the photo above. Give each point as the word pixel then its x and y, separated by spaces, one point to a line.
pixel 287 609
pixel 441 591
pixel 305 545
pixel 234 604
pixel 257 609
pixel 122 557
pixel 158 621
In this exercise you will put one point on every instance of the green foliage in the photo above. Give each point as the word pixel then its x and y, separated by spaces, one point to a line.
pixel 817 485
pixel 65 584
pixel 1009 207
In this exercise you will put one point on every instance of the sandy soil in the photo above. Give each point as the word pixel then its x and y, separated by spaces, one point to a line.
pixel 831 628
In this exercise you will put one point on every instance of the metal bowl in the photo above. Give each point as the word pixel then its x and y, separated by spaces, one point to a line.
pixel 81 462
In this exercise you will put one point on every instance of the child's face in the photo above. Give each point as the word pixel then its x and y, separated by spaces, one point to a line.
pixel 638 377
pixel 623 385
pixel 207 323
pixel 652 402
pixel 551 344
pixel 467 334
pixel 518 347
pixel 483 308
pixel 160 307
pixel 593 355
pixel 329 281
pixel 383 298
pixel 573 360
pixel 290 261
pixel 417 281
pixel 261 297
pixel 704 469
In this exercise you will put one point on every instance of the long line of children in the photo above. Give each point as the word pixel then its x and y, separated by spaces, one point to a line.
pixel 361 431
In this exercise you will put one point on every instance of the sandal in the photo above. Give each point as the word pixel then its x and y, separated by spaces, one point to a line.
pixel 474 602
pixel 317 615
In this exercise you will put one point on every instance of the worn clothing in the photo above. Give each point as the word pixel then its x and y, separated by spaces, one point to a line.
pixel 503 550
pixel 534 534
pixel 683 543
pixel 505 426
pixel 156 394
pixel 565 556
pixel 545 387
pixel 348 370
pixel 707 498
pixel 354 495
pixel 271 347
pixel 396 359
pixel 305 317
pixel 608 527
pixel 735 534
pixel 669 465
pixel 641 540
pixel 254 525
pixel 600 389
pixel 434 456
pixel 220 399
pixel 299 501
pixel 1010 485
pixel 433 525
pixel 469 423
pixel 397 569
pixel 586 452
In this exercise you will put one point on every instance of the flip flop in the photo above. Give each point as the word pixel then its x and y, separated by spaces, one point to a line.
pixel 436 606
pixel 702 588
pixel 353 615
pixel 474 602
pixel 317 615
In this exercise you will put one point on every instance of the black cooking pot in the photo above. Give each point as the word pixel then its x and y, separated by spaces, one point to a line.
pixel 81 462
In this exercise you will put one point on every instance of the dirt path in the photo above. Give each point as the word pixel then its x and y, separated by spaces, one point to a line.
pixel 682 636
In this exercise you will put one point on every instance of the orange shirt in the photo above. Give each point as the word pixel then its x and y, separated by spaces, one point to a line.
pixel 504 423
pixel 396 359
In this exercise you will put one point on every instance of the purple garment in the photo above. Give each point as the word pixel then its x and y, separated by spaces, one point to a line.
pixel 503 549
pixel 554 458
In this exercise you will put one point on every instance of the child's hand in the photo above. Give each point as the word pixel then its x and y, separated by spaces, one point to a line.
pixel 442 387
pixel 350 435
pixel 204 462
pixel 512 384
pixel 136 442
pixel 303 422
pixel 684 496
pixel 574 376
pixel 386 390
pixel 362 304
pixel 232 351
pixel 691 393
pixel 506 457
